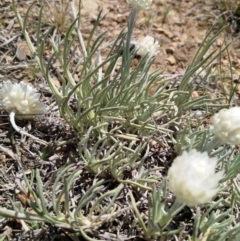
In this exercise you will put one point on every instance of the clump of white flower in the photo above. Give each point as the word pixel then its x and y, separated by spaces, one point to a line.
pixel 192 178
pixel 147 46
pixel 21 99
pixel 139 4
pixel 226 125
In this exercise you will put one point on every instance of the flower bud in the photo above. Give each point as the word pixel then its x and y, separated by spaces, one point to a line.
pixel 140 4
pixel 147 46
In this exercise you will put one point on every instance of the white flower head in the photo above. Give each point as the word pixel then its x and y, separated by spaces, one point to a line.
pixel 192 178
pixel 140 4
pixel 21 98
pixel 147 46
pixel 226 125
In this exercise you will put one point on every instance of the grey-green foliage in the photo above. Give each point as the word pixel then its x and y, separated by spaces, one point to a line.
pixel 95 97
pixel 100 96
pixel 57 209
pixel 109 104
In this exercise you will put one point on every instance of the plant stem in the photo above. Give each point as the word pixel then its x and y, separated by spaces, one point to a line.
pixel 175 209
pixel 215 142
pixel 22 132
pixel 80 38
